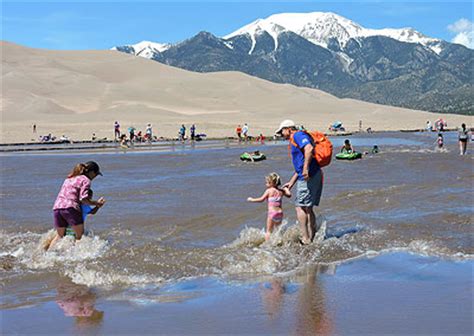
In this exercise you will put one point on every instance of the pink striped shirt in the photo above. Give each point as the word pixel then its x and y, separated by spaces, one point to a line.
pixel 72 192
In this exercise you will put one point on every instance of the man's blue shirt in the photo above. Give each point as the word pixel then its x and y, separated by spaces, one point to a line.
pixel 297 154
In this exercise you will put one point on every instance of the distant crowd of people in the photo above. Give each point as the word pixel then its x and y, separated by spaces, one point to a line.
pixel 126 139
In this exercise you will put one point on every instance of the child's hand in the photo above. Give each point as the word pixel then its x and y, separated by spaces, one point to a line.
pixel 286 185
pixel 249 199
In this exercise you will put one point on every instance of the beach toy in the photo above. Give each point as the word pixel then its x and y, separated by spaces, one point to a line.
pixel 348 156
pixel 253 157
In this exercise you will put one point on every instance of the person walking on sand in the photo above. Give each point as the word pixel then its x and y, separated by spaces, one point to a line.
pixel 149 133
pixel 238 131
pixel 307 178
pixel 245 132
pixel 428 126
pixel 75 192
pixel 116 130
pixel 193 132
pixel 131 131
pixel 182 133
pixel 34 128
pixel 274 196
pixel 463 136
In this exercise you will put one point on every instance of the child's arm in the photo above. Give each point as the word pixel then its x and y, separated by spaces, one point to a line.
pixel 292 181
pixel 286 192
pixel 259 199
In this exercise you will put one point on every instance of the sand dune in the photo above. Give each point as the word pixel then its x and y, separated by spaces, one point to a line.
pixel 80 92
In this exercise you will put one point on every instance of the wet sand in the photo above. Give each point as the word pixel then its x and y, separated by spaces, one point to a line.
pixel 178 250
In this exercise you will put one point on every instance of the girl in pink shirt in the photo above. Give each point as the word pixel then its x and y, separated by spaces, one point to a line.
pixel 74 192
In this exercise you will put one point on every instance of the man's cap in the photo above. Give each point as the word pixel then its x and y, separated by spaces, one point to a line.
pixel 285 124
pixel 93 166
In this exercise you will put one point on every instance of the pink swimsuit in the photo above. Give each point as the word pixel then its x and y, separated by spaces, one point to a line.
pixel 274 214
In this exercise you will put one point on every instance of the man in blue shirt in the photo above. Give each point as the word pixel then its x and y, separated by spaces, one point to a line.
pixel 307 177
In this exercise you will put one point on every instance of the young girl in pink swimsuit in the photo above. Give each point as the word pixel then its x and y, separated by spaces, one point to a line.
pixel 274 196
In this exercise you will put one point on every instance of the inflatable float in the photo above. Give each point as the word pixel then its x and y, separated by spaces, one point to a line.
pixel 348 156
pixel 253 157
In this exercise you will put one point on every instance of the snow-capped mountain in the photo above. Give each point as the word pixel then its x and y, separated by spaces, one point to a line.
pixel 319 28
pixel 399 67
pixel 144 49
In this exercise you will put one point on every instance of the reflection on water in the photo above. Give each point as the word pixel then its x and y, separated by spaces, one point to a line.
pixel 78 301
pixel 311 313
pixel 272 297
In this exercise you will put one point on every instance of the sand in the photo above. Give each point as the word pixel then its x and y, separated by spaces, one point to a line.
pixel 78 93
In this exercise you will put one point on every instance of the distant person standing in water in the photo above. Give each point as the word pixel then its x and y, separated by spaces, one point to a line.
pixel 308 178
pixel 440 141
pixel 463 136
pixel 74 193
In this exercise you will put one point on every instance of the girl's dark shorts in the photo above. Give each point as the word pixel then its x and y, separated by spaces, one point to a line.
pixel 463 140
pixel 67 217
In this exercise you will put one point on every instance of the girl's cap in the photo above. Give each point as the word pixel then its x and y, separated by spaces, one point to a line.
pixel 93 166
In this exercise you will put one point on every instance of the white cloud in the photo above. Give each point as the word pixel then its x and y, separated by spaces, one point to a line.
pixel 464 30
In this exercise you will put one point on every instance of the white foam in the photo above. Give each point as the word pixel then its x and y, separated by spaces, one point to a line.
pixel 83 275
pixel 29 250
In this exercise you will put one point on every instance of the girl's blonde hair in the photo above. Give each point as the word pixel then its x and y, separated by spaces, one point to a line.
pixel 273 179
pixel 79 169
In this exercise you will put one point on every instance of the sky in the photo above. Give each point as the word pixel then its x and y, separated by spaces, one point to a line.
pixel 105 24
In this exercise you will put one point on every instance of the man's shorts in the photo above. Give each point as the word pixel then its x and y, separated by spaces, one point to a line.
pixel 308 193
pixel 67 217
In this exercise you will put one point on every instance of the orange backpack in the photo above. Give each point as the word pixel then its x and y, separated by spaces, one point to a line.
pixel 322 147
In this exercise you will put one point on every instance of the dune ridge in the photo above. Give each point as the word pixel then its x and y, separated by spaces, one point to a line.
pixel 78 93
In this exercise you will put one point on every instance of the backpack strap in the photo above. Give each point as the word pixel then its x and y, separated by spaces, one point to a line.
pixel 293 142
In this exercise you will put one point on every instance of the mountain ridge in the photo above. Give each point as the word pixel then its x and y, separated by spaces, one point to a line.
pixel 338 56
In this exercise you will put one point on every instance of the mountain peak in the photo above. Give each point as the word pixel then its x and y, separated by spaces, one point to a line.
pixel 144 48
pixel 321 27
